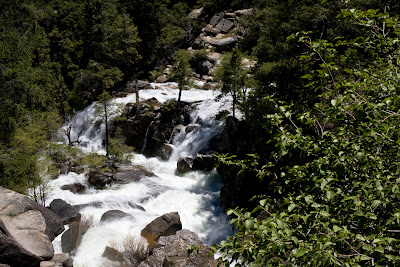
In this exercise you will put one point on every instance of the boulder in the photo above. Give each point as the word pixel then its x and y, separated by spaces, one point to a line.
pixel 12 253
pixel 131 173
pixel 225 42
pixel 64 258
pixel 12 203
pixel 203 163
pixel 50 264
pixel 205 67
pixel 78 169
pixel 99 179
pixel 113 254
pixel 65 211
pixel 174 251
pixel 162 79
pixel 195 13
pixel 190 128
pixel 165 151
pixel 164 225
pixel 223 26
pixel 214 20
pixel 184 164
pixel 112 215
pixel 75 188
pixel 28 230
pixel 71 237
pixel 244 12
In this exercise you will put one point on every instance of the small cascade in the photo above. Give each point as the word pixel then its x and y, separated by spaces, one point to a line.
pixel 145 138
pixel 194 195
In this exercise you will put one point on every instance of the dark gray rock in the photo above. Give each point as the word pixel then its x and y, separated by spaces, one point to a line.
pixel 203 163
pixel 205 67
pixel 164 225
pixel 173 251
pixel 99 179
pixel 112 215
pixel 65 211
pixel 165 151
pixel 75 188
pixel 184 164
pixel 214 20
pixel 70 238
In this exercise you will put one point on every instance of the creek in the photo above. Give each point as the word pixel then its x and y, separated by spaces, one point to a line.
pixel 194 195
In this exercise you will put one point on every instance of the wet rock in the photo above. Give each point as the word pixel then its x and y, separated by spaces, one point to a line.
pixel 112 215
pixel 99 179
pixel 78 169
pixel 203 163
pixel 173 251
pixel 165 151
pixel 96 204
pixel 136 206
pixel 65 211
pixel 12 203
pixel 113 254
pixel 65 168
pixel 164 225
pixel 131 173
pixel 190 128
pixel 70 238
pixel 184 164
pixel 75 188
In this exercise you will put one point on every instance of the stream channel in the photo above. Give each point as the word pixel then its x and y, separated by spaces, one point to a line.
pixel 194 195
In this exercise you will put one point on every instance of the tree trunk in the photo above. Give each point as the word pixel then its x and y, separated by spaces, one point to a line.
pixel 179 97
pixel 137 100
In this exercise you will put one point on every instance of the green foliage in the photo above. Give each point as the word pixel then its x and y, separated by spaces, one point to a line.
pixel 182 71
pixel 331 184
pixel 118 151
pixel 233 76
pixel 94 160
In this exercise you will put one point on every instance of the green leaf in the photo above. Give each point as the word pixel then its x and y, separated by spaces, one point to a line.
pixel 249 224
pixel 291 207
pixel 337 228
pixel 301 252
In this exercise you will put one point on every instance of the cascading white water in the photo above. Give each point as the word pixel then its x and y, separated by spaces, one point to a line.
pixel 194 195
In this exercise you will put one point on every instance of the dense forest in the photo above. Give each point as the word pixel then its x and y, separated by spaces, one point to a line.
pixel 322 112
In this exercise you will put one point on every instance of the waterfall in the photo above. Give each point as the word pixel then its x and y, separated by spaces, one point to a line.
pixel 145 137
pixel 194 195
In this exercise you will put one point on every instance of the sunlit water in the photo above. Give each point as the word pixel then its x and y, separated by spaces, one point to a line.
pixel 194 195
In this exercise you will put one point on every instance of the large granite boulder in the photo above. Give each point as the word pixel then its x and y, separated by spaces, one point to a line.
pixel 65 211
pixel 70 239
pixel 13 203
pixel 177 251
pixel 164 225
pixel 12 253
pixel 184 165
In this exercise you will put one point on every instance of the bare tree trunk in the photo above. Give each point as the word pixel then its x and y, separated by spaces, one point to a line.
pixel 137 100
pixel 179 96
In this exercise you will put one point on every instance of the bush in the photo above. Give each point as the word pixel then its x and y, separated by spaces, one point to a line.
pixel 332 193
